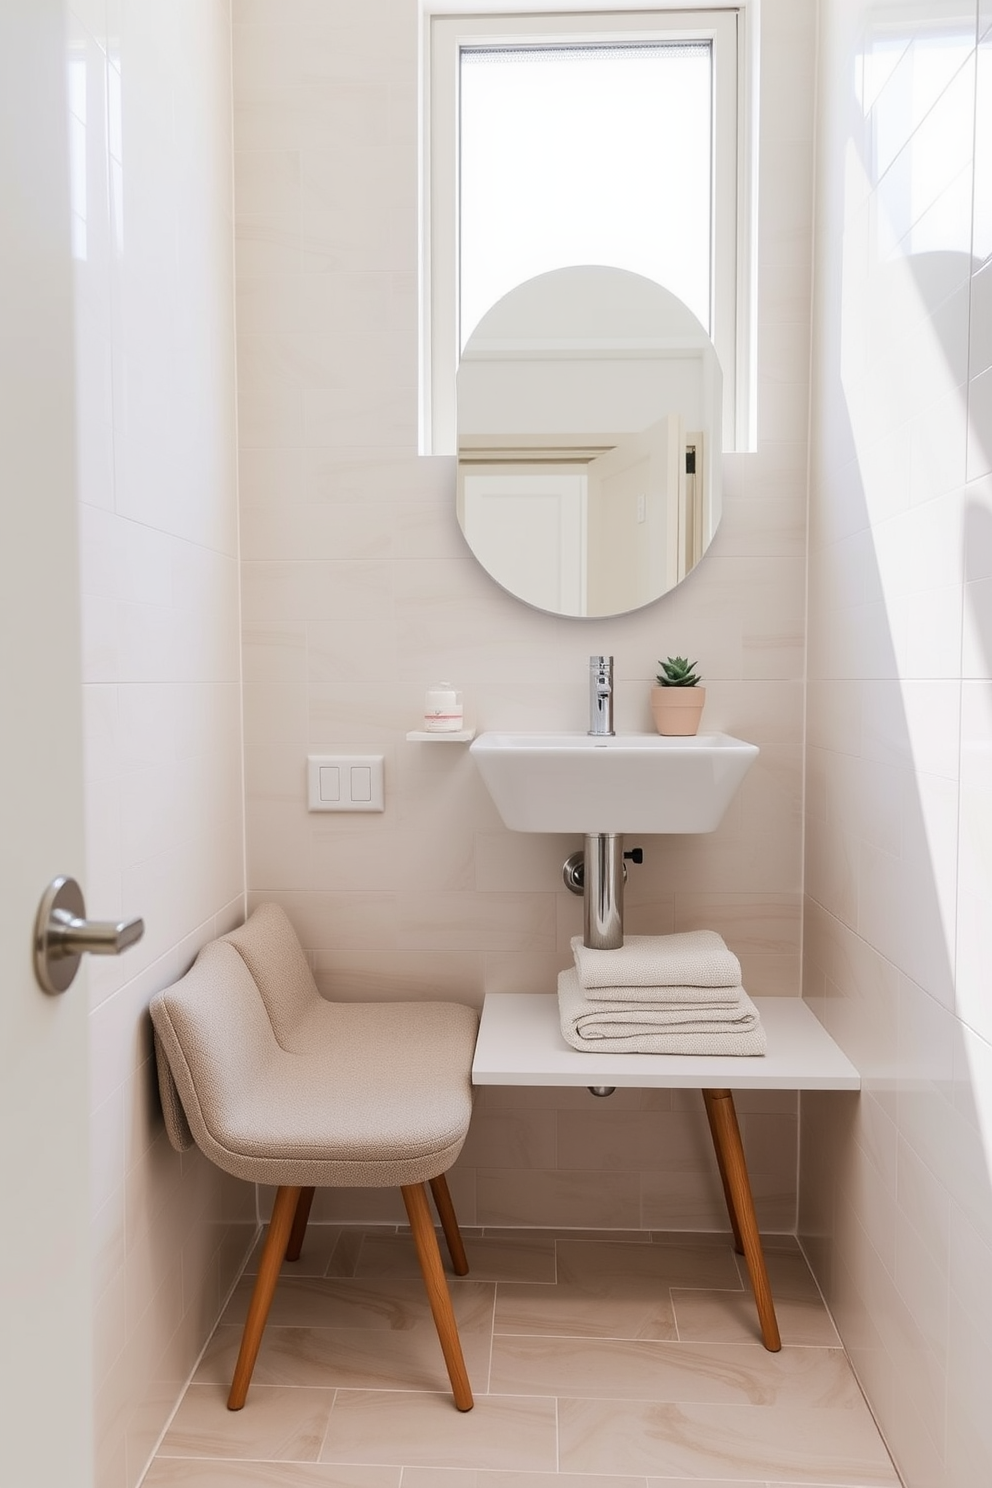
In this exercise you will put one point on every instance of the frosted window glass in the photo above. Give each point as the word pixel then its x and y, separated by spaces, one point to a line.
pixel 597 154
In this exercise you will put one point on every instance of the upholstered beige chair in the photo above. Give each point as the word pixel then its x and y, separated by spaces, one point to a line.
pixel 279 1086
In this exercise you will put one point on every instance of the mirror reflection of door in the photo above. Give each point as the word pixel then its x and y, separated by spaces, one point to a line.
pixel 529 530
pixel 576 395
pixel 636 513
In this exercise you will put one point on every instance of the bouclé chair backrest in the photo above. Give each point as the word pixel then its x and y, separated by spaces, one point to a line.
pixel 270 949
pixel 214 1042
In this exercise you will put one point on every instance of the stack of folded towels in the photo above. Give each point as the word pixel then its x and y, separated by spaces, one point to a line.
pixel 659 994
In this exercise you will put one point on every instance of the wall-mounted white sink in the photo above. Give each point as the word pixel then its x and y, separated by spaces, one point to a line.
pixel 621 783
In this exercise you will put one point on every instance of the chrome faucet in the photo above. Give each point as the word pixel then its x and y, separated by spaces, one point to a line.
pixel 601 695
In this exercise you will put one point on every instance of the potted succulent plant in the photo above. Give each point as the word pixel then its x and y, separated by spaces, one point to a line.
pixel 677 702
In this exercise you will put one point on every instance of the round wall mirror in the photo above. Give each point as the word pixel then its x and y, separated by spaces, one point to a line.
pixel 589 415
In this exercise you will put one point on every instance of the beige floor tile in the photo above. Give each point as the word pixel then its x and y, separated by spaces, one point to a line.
pixel 275 1424
pixel 350 1358
pixel 317 1302
pixel 606 1307
pixel 666 1265
pixel 720 1238
pixel 427 1431
pixel 628 1237
pixel 738 1442
pixel 704 1483
pixel 319 1245
pixel 490 1258
pixel 645 1353
pixel 344 1257
pixel 607 1289
pixel 788 1273
pixel 744 1374
pixel 433 1477
pixel 730 1317
pixel 178 1472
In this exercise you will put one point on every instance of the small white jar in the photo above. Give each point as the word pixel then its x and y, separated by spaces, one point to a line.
pixel 443 709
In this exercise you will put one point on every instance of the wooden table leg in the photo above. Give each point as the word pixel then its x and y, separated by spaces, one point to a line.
pixel 727 1192
pixel 737 1187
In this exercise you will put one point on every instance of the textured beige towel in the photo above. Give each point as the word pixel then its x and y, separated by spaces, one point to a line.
pixel 624 1029
pixel 690 958
pixel 655 997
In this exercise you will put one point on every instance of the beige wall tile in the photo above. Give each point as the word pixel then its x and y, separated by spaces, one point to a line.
pixel 399 976
pixel 689 1198
pixel 529 1139
pixel 437 899
pixel 505 921
pixel 508 1196
pixel 625 1141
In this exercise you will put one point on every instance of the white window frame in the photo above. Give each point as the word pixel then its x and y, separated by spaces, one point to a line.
pixel 733 31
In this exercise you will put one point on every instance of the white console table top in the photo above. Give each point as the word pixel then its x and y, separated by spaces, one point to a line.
pixel 520 1043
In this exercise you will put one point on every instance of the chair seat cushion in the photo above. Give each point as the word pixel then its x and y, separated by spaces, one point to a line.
pixel 350 1094
pixel 381 1097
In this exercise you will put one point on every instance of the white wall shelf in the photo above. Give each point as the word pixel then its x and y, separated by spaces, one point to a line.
pixel 421 736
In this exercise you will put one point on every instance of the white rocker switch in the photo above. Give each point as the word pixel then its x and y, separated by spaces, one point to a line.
pixel 345 782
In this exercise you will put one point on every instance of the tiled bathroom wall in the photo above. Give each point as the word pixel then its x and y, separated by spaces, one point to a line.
pixel 897 1190
pixel 151 176
pixel 359 591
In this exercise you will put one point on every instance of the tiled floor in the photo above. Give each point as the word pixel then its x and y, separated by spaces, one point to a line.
pixel 598 1361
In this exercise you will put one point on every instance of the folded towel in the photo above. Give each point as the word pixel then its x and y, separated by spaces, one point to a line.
pixel 617 1028
pixel 690 958
pixel 660 997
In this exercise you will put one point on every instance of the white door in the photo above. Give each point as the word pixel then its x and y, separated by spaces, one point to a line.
pixel 529 532
pixel 636 501
pixel 45 1306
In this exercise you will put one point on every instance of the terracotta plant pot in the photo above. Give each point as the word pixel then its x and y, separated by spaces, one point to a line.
pixel 677 710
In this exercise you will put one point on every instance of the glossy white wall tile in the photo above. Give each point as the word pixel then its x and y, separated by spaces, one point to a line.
pixel 150 94
pixel 896 1206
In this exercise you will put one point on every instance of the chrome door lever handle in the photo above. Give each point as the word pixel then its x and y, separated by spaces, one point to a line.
pixel 62 933
pixel 68 935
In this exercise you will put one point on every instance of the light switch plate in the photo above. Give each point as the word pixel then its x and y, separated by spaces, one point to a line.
pixel 345 782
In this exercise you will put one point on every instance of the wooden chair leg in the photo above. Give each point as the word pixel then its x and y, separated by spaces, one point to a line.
pixel 424 1238
pixel 737 1186
pixel 273 1254
pixel 449 1224
pixel 300 1219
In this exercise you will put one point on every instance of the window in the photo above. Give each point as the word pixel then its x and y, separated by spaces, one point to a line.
pixel 585 138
